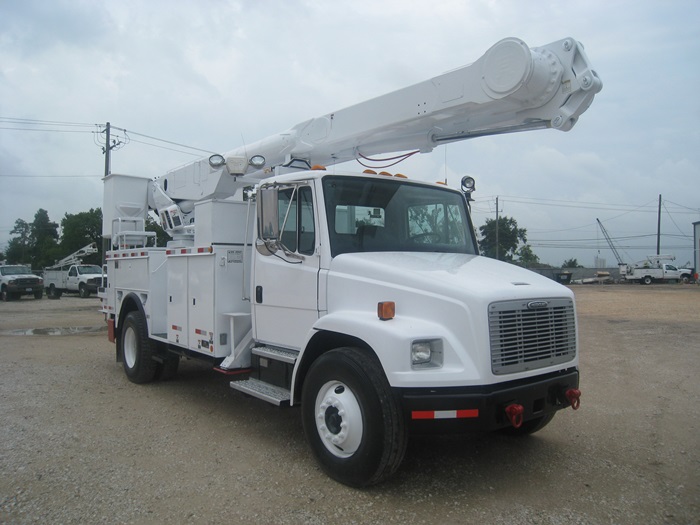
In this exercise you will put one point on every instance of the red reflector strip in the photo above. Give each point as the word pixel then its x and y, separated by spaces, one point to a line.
pixel 445 414
pixel 177 328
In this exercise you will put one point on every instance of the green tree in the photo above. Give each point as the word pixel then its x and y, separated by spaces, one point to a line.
pixel 571 263
pixel 527 257
pixel 34 243
pixel 19 248
pixel 81 229
pixel 509 237
pixel 44 239
pixel 162 238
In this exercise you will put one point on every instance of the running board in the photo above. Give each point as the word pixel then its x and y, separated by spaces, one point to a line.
pixel 272 394
pixel 278 354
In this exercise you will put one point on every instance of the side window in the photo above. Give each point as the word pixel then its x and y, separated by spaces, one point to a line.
pixel 288 218
pixel 307 229
pixel 73 272
pixel 296 220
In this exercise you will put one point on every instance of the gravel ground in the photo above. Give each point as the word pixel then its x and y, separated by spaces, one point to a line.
pixel 80 444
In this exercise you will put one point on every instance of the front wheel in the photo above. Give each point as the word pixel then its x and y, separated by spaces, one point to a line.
pixel 83 291
pixel 137 350
pixel 351 420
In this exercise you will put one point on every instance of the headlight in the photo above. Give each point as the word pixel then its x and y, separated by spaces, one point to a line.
pixel 426 353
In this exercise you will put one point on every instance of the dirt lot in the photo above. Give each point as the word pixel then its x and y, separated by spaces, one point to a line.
pixel 80 444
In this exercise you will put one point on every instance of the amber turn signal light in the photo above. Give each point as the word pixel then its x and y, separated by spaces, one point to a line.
pixel 386 310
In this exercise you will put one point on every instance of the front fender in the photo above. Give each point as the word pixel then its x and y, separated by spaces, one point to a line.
pixel 391 342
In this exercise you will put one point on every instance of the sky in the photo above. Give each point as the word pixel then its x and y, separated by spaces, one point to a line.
pixel 215 74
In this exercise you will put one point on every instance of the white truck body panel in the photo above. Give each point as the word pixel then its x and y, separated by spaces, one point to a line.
pixel 436 295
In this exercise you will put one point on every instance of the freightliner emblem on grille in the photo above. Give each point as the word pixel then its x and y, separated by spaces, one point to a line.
pixel 536 305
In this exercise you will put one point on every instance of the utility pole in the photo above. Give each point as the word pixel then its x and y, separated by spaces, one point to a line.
pixel 107 149
pixel 658 230
pixel 110 144
pixel 497 229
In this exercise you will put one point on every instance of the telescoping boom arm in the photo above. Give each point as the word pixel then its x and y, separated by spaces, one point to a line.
pixel 510 88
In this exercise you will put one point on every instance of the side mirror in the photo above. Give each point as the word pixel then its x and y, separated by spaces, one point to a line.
pixel 268 220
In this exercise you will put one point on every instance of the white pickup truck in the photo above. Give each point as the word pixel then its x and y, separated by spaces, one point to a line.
pixel 653 270
pixel 83 279
pixel 17 280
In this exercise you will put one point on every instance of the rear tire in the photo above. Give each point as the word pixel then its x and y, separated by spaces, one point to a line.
pixel 351 420
pixel 137 350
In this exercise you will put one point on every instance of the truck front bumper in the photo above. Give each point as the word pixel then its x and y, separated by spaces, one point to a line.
pixel 24 289
pixel 483 408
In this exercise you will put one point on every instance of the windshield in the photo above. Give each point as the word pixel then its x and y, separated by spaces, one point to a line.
pixel 15 270
pixel 370 215
pixel 88 269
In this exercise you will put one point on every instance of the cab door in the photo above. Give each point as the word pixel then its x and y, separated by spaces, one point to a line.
pixel 285 284
pixel 72 283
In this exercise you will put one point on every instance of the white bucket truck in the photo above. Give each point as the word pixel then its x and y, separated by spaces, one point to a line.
pixel 654 269
pixel 70 275
pixel 361 298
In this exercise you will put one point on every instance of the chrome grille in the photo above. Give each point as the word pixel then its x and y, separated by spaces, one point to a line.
pixel 525 338
pixel 25 281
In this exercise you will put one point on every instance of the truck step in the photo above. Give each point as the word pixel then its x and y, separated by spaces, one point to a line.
pixel 278 354
pixel 272 394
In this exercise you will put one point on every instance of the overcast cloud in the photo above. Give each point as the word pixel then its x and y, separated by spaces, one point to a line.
pixel 213 74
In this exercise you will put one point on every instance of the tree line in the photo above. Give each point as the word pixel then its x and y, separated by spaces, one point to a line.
pixel 39 244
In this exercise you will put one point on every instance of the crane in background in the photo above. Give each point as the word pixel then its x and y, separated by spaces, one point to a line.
pixel 610 243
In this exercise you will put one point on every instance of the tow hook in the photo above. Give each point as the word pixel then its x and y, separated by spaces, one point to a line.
pixel 573 395
pixel 515 415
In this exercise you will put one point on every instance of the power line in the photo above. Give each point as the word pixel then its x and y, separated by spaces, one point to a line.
pixel 34 121
pixel 163 140
pixel 49 176
pixel 24 124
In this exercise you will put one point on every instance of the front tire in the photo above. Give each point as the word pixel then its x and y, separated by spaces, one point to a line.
pixel 351 420
pixel 83 291
pixel 137 350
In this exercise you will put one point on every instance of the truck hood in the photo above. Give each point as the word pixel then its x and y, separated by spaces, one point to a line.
pixel 448 274
pixel 21 276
